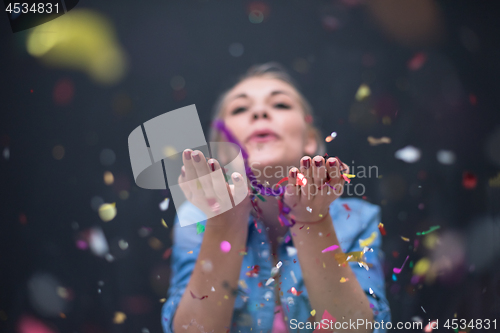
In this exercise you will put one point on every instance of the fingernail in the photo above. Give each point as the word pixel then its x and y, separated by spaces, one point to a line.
pixel 318 163
pixel 187 155
pixel 294 173
pixel 306 163
pixel 332 163
pixel 212 165
pixel 196 157
pixel 237 179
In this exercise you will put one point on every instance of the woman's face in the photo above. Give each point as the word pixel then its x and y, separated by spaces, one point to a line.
pixel 265 115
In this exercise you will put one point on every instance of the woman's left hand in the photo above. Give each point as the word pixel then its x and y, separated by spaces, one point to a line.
pixel 311 203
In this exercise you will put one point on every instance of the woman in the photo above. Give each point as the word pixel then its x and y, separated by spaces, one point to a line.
pixel 276 277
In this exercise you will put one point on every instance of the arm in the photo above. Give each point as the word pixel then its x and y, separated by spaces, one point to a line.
pixel 344 301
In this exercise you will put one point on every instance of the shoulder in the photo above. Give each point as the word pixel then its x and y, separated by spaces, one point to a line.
pixel 353 218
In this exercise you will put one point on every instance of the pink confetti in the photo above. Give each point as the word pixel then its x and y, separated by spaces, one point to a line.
pixel 287 239
pixel 200 298
pixel 398 270
pixel 371 306
pixel 225 246
pixel 330 248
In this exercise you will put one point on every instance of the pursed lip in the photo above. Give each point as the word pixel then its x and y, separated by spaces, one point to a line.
pixel 262 135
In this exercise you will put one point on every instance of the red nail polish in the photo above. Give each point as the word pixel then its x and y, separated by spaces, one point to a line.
pixel 294 174
pixel 332 163
pixel 196 157
pixel 212 166
pixel 318 163
pixel 306 163
pixel 187 155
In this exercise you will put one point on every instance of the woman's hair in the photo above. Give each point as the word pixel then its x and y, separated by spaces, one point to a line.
pixel 271 70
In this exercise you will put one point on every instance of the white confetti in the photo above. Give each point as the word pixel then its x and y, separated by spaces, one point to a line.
pixel 279 264
pixel 291 251
pixel 408 154
pixel 446 157
pixel 333 135
pixel 164 204
pixel 268 282
pixel 309 209
pixel 423 309
pixel 293 277
pixel 213 289
pixel 6 153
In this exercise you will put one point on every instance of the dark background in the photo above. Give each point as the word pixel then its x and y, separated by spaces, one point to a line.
pixel 451 102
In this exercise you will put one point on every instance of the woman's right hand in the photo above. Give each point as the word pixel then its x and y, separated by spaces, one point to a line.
pixel 204 185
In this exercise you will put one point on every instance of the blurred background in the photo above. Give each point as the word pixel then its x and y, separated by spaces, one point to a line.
pixel 411 87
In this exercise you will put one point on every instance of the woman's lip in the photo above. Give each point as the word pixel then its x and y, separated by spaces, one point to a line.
pixel 268 137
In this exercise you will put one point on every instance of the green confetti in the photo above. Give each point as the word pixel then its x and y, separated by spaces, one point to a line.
pixel 199 228
pixel 261 197
pixel 428 231
pixel 411 264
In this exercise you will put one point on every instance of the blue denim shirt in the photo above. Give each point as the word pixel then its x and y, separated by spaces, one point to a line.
pixel 254 306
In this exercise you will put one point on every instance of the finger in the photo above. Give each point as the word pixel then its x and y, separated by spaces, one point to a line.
pixel 183 185
pixel 204 177
pixel 240 190
pixel 190 170
pixel 292 191
pixel 218 180
pixel 305 169
pixel 318 170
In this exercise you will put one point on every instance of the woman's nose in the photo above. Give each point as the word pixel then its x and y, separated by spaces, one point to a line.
pixel 258 115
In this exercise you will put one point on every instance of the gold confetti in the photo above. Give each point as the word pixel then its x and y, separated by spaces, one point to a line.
pixel 107 212
pixel 368 241
pixel 243 284
pixel 363 92
pixel 226 297
pixel 164 223
pixel 324 266
pixel 343 279
pixel 170 152
pixel 119 317
pixel 190 252
pixel 313 312
pixel 375 142
pixel 405 239
pixel 109 179
pixel 163 300
pixel 349 175
pixel 155 243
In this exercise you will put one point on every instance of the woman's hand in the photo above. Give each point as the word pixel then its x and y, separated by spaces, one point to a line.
pixel 311 203
pixel 204 185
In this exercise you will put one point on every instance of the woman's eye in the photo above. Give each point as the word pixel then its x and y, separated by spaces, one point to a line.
pixel 238 110
pixel 282 106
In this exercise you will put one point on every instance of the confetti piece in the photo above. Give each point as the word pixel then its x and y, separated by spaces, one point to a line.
pixel 164 223
pixel 269 281
pixel 363 92
pixel 346 206
pixel 382 229
pixel 291 251
pixel 405 239
pixel 343 280
pixel 313 312
pixel 422 267
pixel 417 61
pixel 279 264
pixel 213 289
pixel 107 212
pixel 119 317
pixel 167 253
pixel 293 277
pixel 282 180
pixel 408 154
pixel 225 246
pixel 398 270
pixel 469 180
pixel 301 179
pixel 190 252
pixel 163 300
pixel 294 291
pixel 369 240
pixel 200 298
pixel 108 178
pixel 423 309
pixel 309 209
pixel 394 278
pixel 348 175
pixel 428 231
pixel 329 138
pixel 200 228
pixel 330 248
pixel 164 204
pixel 375 142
